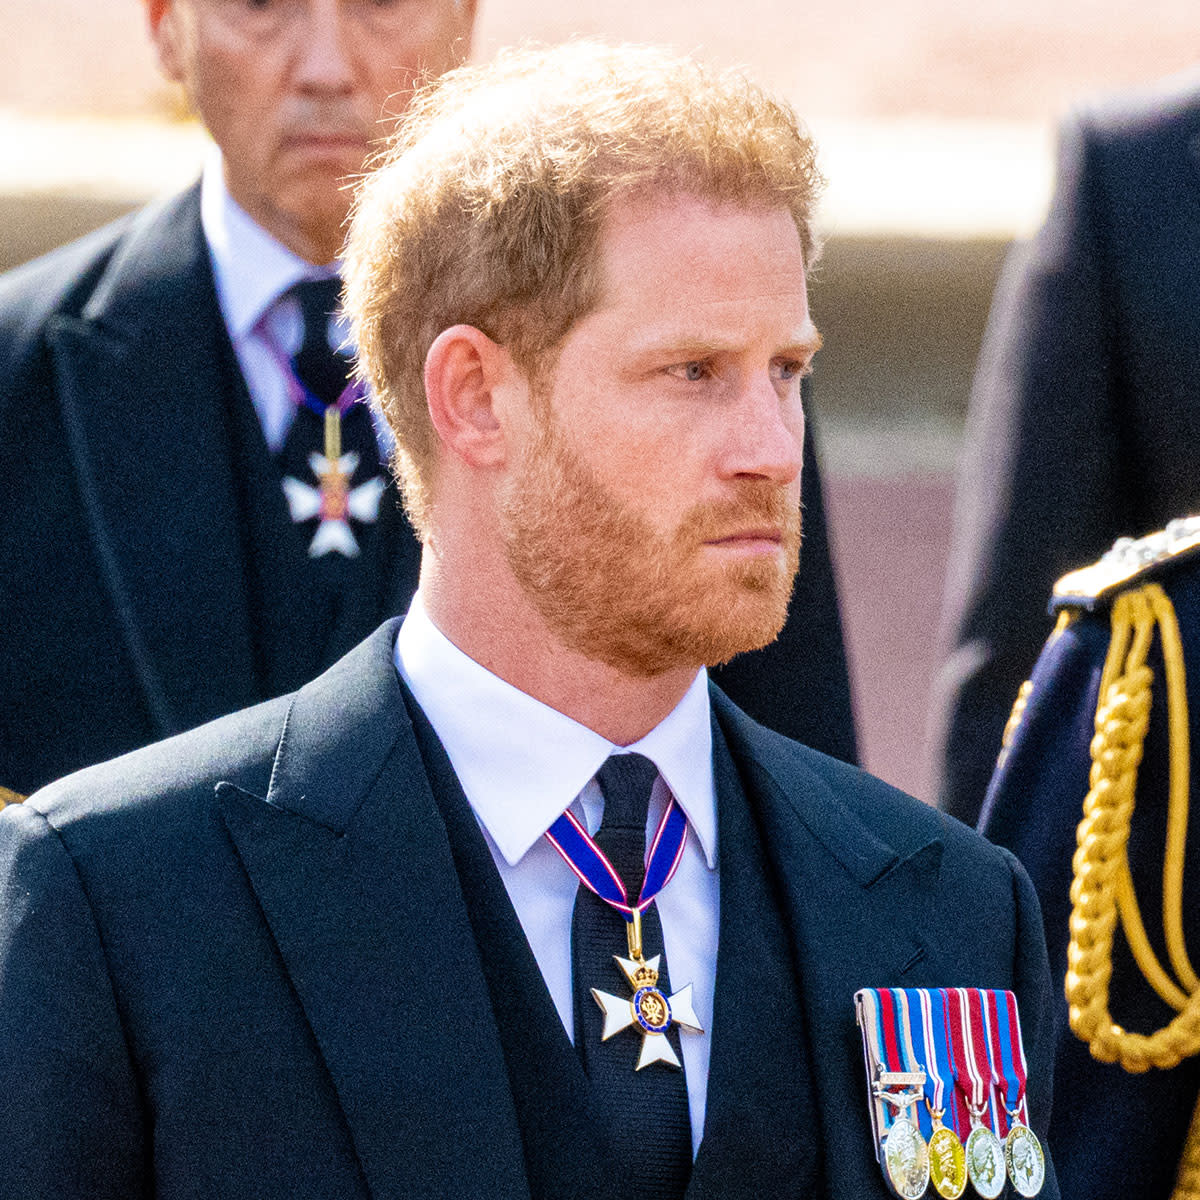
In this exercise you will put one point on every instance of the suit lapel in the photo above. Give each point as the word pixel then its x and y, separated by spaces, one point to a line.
pixel 856 909
pixel 158 493
pixel 351 865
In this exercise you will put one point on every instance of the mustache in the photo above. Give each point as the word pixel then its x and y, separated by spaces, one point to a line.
pixel 757 504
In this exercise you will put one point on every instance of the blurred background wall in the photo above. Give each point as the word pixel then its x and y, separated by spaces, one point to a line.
pixel 935 121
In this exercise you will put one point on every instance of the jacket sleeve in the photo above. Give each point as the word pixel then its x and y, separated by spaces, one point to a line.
pixel 1039 488
pixel 72 1116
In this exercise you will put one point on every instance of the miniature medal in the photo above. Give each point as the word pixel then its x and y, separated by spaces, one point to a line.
pixel 905 1154
pixel 1025 1161
pixel 1023 1155
pixel 947 1159
pixel 973 1076
pixel 985 1160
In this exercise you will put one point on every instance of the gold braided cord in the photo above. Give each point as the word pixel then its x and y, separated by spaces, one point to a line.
pixel 1102 890
pixel 8 797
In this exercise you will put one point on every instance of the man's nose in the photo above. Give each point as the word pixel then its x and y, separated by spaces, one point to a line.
pixel 766 435
pixel 322 36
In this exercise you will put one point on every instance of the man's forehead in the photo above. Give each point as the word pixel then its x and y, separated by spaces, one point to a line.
pixel 695 270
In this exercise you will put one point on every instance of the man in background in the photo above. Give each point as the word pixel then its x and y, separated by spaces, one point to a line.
pixel 199 512
pixel 1082 426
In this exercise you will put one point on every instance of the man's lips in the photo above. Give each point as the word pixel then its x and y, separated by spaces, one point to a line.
pixel 760 540
pixel 333 141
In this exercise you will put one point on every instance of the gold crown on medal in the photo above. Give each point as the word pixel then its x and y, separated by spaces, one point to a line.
pixel 644 975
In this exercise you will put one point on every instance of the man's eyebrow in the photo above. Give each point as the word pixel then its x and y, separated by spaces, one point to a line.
pixel 805 342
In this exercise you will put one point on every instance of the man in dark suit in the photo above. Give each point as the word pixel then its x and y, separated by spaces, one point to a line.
pixel 164 557
pixel 1081 427
pixel 337 944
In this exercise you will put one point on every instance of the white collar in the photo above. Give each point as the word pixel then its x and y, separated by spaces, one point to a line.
pixel 252 270
pixel 522 763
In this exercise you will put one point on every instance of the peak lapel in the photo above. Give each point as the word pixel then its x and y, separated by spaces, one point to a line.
pixel 350 862
pixel 144 376
pixel 856 908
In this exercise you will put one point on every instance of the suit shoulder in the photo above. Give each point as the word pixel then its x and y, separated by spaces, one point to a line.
pixel 162 781
pixel 56 284
pixel 62 279
pixel 1160 110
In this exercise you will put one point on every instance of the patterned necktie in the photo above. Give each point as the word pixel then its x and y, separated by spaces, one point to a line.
pixel 336 487
pixel 645 1112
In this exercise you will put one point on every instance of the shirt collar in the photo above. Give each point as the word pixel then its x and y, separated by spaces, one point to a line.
pixel 521 763
pixel 251 269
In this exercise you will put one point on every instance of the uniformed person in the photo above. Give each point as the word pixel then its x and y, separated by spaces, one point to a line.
pixel 1091 792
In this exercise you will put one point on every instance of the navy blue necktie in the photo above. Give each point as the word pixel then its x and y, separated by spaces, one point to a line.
pixel 645 1112
pixel 324 375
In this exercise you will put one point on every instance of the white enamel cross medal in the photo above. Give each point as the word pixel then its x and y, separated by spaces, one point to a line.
pixel 333 500
pixel 649 1008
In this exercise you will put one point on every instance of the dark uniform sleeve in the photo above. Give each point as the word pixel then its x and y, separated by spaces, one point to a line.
pixel 71 1113
pixel 800 684
pixel 1113 1133
pixel 1040 487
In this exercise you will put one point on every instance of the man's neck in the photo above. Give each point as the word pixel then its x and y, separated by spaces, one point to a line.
pixel 506 635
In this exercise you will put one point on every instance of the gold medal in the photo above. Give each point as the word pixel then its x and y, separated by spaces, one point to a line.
pixel 985 1161
pixel 1024 1159
pixel 947 1160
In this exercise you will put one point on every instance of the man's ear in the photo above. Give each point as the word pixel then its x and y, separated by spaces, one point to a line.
pixel 164 21
pixel 466 378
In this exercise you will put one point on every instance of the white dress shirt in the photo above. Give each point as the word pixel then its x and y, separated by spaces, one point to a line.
pixel 522 763
pixel 253 274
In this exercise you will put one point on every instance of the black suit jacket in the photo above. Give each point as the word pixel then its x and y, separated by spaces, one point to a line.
pixel 239 962
pixel 122 589
pixel 1082 426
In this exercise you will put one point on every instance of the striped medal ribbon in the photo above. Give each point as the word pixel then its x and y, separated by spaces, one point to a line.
pixel 897 1087
pixel 580 852
pixel 1023 1156
pixel 985 1154
pixel 947 1157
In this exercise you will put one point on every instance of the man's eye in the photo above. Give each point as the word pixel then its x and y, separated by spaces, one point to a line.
pixel 693 371
pixel 790 369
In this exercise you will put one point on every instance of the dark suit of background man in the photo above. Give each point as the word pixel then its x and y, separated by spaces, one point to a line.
pixel 1082 426
pixel 321 947
pixel 151 574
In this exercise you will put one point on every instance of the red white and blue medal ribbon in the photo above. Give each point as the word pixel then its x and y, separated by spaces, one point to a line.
pixel 897 1087
pixel 580 852
pixel 947 1156
pixel 985 1152
pixel 911 1037
pixel 1011 1054
pixel 1023 1156
pixel 873 1054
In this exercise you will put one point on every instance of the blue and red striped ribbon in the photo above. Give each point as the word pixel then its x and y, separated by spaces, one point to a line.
pixel 580 852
